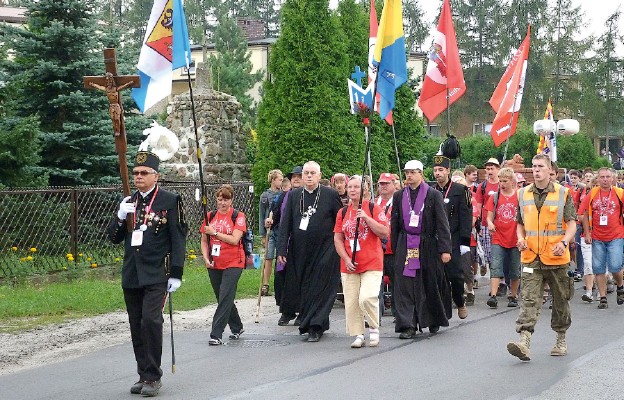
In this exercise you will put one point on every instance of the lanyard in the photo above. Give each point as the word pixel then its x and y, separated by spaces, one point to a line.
pixel 147 209
pixel 447 190
pixel 604 201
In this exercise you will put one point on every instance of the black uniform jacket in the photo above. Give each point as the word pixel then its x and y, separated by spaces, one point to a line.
pixel 165 235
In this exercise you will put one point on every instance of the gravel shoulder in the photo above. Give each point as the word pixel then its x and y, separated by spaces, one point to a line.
pixel 72 339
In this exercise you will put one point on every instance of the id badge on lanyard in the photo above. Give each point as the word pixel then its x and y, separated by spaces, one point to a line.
pixel 603 220
pixel 137 238
pixel 303 225
pixel 414 219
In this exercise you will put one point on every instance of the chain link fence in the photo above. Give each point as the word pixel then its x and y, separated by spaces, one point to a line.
pixel 53 229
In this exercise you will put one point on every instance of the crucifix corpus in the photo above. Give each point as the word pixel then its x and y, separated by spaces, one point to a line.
pixel 112 84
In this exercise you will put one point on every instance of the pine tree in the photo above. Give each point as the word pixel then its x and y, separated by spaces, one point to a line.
pixel 416 28
pixel 304 114
pixel 56 49
pixel 231 67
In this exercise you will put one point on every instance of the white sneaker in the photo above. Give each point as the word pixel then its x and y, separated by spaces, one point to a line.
pixel 373 340
pixel 358 342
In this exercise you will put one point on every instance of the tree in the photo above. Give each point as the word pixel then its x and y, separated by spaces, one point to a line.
pixel 19 141
pixel 415 27
pixel 44 79
pixel 354 23
pixel 304 114
pixel 231 68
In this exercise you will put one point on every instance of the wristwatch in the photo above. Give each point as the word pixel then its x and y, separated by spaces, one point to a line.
pixel 215 234
pixel 565 244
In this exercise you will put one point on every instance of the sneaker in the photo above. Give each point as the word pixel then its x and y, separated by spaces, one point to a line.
pixel 136 388
pixel 587 297
pixel 620 296
pixel 373 337
pixel 215 341
pixel 470 298
pixel 150 388
pixel 603 303
pixel 409 333
pixel 513 301
pixel 502 290
pixel 577 277
pixel 236 336
pixel 358 342
pixel 492 302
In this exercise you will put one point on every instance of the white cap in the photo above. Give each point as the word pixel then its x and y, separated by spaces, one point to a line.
pixel 413 165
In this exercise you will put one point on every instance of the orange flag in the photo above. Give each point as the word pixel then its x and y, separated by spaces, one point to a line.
pixel 507 96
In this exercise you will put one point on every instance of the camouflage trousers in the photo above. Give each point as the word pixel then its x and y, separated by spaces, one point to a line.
pixel 532 290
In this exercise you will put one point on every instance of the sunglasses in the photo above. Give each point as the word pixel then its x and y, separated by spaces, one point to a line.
pixel 142 173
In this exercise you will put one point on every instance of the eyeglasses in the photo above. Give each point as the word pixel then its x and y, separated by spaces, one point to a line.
pixel 143 173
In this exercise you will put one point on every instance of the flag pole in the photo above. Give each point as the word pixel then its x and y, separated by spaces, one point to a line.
pixel 396 152
pixel 513 112
pixel 357 220
pixel 198 150
pixel 448 112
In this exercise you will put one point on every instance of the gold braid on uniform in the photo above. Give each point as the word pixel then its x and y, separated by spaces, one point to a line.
pixel 468 195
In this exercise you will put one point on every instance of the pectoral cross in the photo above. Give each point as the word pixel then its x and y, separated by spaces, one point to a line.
pixel 112 84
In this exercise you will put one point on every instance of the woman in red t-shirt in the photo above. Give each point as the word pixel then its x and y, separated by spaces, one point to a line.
pixel 225 259
pixel 361 279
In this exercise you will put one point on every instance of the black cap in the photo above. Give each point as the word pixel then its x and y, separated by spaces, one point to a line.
pixel 298 170
pixel 147 159
pixel 441 161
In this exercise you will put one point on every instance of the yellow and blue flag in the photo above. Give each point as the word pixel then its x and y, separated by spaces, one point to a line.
pixel 166 47
pixel 389 57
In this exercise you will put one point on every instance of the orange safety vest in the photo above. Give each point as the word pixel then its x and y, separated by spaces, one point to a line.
pixel 544 228
pixel 619 192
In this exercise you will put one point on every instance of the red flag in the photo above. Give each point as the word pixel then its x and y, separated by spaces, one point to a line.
pixel 444 69
pixel 507 96
pixel 372 39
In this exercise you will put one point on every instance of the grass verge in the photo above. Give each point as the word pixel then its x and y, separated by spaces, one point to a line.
pixel 29 305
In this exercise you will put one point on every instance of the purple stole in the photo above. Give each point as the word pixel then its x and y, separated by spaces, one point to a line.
pixel 412 260
pixel 278 265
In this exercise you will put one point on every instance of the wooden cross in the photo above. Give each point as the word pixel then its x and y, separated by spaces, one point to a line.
pixel 112 84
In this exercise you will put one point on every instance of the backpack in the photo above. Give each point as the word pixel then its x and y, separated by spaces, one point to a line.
pixel 450 147
pixel 246 240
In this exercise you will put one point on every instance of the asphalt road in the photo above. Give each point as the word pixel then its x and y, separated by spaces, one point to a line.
pixel 468 360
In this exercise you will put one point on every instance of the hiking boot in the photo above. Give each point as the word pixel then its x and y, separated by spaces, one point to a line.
pixel 470 298
pixel 136 388
pixel 603 303
pixel 462 312
pixel 492 302
pixel 620 296
pixel 409 333
pixel 521 348
pixel 513 301
pixel 561 347
pixel 150 388
pixel 587 297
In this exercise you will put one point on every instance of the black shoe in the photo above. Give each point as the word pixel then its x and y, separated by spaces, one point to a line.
pixel 513 302
pixel 409 333
pixel 151 389
pixel 620 296
pixel 587 298
pixel 502 290
pixel 492 302
pixel 297 321
pixel 314 336
pixel 136 388
pixel 434 329
pixel 236 336
pixel 603 303
pixel 470 298
pixel 285 319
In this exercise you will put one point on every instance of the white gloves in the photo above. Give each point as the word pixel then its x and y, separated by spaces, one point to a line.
pixel 173 284
pixel 464 249
pixel 125 208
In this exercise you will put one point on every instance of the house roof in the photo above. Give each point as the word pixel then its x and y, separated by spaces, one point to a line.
pixel 13 14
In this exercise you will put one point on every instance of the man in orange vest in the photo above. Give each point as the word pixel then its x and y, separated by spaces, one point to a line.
pixel 546 225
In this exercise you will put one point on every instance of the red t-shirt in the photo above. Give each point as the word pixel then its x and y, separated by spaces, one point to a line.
pixel 475 214
pixel 229 256
pixel 604 204
pixel 369 257
pixel 383 203
pixel 505 220
pixel 490 189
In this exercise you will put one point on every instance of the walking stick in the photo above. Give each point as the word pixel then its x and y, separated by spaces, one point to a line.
pixel 173 365
pixel 262 273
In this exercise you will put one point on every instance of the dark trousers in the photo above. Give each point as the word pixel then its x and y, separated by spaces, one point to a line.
pixel 144 306
pixel 457 291
pixel 278 286
pixel 389 272
pixel 224 283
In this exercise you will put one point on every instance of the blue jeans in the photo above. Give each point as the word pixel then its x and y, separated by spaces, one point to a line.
pixel 505 257
pixel 607 255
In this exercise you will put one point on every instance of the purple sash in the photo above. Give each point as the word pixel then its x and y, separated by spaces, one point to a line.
pixel 278 265
pixel 412 260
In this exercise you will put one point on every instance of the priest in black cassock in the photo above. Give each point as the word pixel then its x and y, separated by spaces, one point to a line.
pixel 312 271
pixel 457 201
pixel 421 242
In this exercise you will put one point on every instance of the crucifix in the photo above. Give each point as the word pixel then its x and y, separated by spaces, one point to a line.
pixel 112 84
